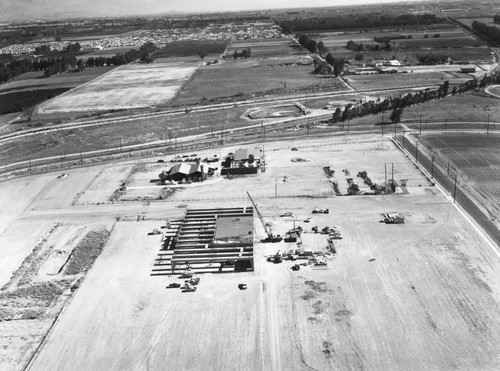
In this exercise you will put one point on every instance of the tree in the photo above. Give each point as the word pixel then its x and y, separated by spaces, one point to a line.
pixel 359 57
pixel 202 54
pixel 246 53
pixel 396 115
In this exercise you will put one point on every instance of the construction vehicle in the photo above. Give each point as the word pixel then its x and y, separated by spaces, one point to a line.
pixel 173 286
pixel 320 263
pixel 278 258
pixel 193 281
pixel 272 238
pixel 189 289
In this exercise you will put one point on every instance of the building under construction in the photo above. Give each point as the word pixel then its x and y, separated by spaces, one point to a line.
pixel 208 240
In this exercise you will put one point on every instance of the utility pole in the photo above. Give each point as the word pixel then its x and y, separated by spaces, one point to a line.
pixel 175 148
pixel 455 189
pixel 392 173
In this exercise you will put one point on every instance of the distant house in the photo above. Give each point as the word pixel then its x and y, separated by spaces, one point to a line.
pixel 392 62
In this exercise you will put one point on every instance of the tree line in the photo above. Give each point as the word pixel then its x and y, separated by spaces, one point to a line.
pixel 491 32
pixel 397 104
pixel 318 47
pixel 364 21
pixel 60 64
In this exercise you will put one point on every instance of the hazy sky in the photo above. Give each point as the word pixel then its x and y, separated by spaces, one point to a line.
pixel 17 9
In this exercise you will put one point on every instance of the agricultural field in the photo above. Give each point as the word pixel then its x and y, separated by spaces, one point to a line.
pixel 267 48
pixel 108 52
pixel 464 108
pixel 408 43
pixel 406 296
pixel 37 79
pixel 240 79
pixel 19 100
pixel 477 156
pixel 401 80
pixel 188 48
pixel 127 87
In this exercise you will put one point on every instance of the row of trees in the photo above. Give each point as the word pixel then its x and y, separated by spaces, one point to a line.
pixel 318 47
pixel 490 32
pixel 431 59
pixel 244 54
pixel 351 45
pixel 363 21
pixel 70 49
pixel 397 104
pixel 59 64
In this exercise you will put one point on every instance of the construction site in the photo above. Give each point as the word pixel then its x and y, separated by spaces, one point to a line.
pixel 351 258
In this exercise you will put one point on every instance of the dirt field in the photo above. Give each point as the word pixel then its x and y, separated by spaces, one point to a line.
pixel 130 86
pixel 247 78
pixel 423 294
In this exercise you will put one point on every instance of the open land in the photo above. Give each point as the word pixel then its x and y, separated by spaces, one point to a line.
pixel 130 86
pixel 37 80
pixel 267 48
pixel 248 78
pixel 372 82
pixel 423 293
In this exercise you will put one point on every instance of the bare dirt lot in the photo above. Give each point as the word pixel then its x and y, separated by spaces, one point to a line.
pixel 423 294
pixel 130 86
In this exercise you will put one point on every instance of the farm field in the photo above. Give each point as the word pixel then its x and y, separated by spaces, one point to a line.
pixel 127 87
pixel 190 48
pixel 408 296
pixel 19 100
pixel 458 108
pixel 245 79
pixel 394 81
pixel 37 80
pixel 477 158
pixel 108 52
pixel 267 48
